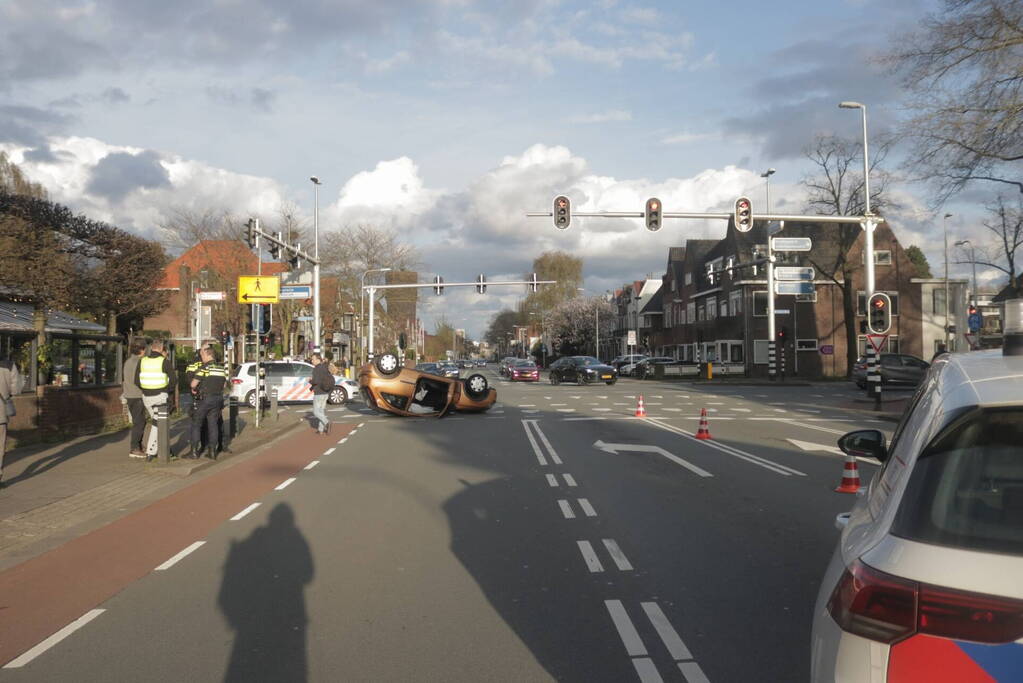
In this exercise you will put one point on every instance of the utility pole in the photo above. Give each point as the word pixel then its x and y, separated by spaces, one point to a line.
pixel 317 334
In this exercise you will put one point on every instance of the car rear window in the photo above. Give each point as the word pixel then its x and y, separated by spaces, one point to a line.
pixel 966 489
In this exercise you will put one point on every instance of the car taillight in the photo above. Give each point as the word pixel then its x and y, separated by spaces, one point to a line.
pixel 236 381
pixel 887 609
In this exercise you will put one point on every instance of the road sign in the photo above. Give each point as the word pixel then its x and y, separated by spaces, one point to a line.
pixel 296 292
pixel 265 289
pixel 975 321
pixel 827 350
pixel 782 311
pixel 794 273
pixel 793 287
pixel 211 296
pixel 877 341
pixel 303 318
pixel 632 338
pixel 971 339
pixel 791 243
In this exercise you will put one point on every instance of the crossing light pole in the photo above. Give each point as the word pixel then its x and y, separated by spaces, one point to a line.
pixel 316 267
pixel 362 309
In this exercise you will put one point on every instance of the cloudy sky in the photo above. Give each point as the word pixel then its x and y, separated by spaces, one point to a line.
pixel 448 119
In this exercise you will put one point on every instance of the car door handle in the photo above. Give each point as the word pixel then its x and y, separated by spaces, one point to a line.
pixel 842 520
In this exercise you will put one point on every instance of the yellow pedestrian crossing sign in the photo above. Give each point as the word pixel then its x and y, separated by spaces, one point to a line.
pixel 263 289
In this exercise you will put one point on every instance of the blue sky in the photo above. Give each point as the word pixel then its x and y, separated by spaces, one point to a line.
pixel 446 119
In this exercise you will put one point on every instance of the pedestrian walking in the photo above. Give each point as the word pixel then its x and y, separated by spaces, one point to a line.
pixel 322 383
pixel 156 377
pixel 131 393
pixel 10 386
pixel 208 390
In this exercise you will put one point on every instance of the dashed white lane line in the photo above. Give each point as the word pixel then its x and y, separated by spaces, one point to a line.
pixel 569 479
pixel 587 508
pixel 547 444
pixel 555 405
pixel 528 405
pixel 626 630
pixel 621 404
pixel 742 410
pixel 312 464
pixel 692 672
pixel 566 509
pixel 284 484
pixel 180 556
pixel 329 451
pixel 617 556
pixel 582 419
pixel 536 447
pixel 646 670
pixel 808 410
pixel 715 403
pixel 676 648
pixel 552 480
pixel 530 412
pixel 566 410
pixel 60 635
pixel 360 424
pixel 673 410
pixel 244 512
pixel 602 410
pixel 590 557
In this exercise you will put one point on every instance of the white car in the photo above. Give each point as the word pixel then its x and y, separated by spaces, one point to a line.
pixel 291 379
pixel 926 583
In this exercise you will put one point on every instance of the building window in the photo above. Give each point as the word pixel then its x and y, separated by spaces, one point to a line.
pixel 806 345
pixel 689 278
pixel 712 307
pixel 673 284
pixel 700 312
pixel 723 307
pixel 691 313
pixel 760 304
pixel 760 352
pixel 735 355
pixel 882 257
pixel 938 302
pixel 735 301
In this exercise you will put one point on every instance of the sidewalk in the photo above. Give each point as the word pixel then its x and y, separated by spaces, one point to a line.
pixel 56 492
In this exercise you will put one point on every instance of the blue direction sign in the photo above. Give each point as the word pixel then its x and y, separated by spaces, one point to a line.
pixel 794 272
pixel 975 322
pixel 791 243
pixel 296 292
pixel 793 288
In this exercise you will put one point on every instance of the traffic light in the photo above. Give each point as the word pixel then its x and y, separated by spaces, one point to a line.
pixel 743 214
pixel 265 318
pixel 251 236
pixel 652 214
pixel 879 313
pixel 295 260
pixel 710 273
pixel 224 337
pixel 481 284
pixel 275 248
pixel 534 286
pixel 438 285
pixel 562 212
pixel 783 335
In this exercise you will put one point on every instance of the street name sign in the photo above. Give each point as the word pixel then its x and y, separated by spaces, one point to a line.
pixel 265 289
pixel 794 273
pixel 791 243
pixel 296 292
pixel 793 287
pixel 212 296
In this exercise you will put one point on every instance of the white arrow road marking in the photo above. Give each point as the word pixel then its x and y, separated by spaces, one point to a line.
pixel 810 446
pixel 642 448
pixel 730 450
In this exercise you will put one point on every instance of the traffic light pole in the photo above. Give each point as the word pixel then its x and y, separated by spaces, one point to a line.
pixel 371 290
pixel 772 349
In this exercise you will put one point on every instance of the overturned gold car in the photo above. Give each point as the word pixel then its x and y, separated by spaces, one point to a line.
pixel 389 387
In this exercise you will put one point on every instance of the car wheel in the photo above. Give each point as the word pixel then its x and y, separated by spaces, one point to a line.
pixel 476 386
pixel 338 396
pixel 250 398
pixel 610 382
pixel 388 365
pixel 583 379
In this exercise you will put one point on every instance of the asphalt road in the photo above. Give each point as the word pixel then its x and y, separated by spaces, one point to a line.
pixel 556 537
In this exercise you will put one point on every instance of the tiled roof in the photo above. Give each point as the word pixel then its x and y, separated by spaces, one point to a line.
pixel 224 255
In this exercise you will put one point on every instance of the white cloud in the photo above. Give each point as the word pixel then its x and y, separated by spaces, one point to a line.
pixel 609 116
pixel 686 138
pixel 392 194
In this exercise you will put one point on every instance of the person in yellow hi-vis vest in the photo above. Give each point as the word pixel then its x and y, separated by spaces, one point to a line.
pixel 156 377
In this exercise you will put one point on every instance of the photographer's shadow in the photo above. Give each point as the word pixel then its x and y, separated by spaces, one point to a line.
pixel 262 598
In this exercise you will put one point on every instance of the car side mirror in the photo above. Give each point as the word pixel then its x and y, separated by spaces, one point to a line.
pixel 868 443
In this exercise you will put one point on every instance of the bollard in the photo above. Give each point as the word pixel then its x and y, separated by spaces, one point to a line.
pixel 273 404
pixel 232 416
pixel 162 413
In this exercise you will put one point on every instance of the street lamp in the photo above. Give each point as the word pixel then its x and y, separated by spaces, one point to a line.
pixel 944 223
pixel 869 246
pixel 362 306
pixel 973 261
pixel 766 175
pixel 316 266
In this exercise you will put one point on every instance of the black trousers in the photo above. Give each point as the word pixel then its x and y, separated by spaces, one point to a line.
pixel 138 423
pixel 208 413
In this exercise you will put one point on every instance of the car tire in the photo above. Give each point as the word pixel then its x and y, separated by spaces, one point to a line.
pixel 476 386
pixel 610 382
pixel 250 399
pixel 337 396
pixel 387 364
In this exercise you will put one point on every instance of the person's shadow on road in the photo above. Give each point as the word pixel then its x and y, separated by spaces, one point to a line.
pixel 262 598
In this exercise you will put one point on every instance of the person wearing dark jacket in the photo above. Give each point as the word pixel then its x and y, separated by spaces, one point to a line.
pixel 207 386
pixel 156 377
pixel 132 395
pixel 322 383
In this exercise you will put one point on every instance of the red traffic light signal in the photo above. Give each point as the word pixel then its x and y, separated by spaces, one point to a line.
pixel 742 216
pixel 879 313
pixel 652 214
pixel 562 212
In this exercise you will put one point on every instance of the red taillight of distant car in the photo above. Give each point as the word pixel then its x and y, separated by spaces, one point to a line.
pixel 888 609
pixel 236 381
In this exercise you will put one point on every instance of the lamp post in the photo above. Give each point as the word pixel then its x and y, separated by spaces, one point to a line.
pixel 869 246
pixel 362 308
pixel 766 175
pixel 948 304
pixel 973 262
pixel 317 335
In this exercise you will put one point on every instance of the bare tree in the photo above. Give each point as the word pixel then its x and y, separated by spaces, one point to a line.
pixel 1006 226
pixel 837 188
pixel 964 68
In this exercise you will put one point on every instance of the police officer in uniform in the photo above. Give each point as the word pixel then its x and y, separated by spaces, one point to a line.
pixel 190 371
pixel 208 381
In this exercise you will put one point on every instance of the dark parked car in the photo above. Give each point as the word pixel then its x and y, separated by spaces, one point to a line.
pixel 896 368
pixel 645 367
pixel 582 369
pixel 627 359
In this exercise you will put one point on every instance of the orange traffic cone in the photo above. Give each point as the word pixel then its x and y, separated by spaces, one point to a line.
pixel 704 431
pixel 640 410
pixel 850 476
